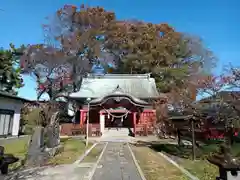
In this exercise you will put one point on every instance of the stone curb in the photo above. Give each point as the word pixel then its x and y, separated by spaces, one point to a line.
pixel 85 154
pixel 183 170
pixel 96 164
pixel 136 163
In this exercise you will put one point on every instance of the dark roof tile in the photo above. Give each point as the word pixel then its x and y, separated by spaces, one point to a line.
pixel 137 85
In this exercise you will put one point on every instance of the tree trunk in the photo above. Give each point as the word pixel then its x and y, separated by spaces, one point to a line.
pixel 193 141
pixel 179 137
pixel 229 137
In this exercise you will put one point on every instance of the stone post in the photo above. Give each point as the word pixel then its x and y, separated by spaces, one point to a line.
pixel 102 122
pixel 35 155
pixel 134 123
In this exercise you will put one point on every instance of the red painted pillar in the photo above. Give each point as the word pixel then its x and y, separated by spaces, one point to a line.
pixel 134 122
pixel 142 117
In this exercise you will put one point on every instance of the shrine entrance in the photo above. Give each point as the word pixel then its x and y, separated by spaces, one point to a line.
pixel 118 110
pixel 99 95
pixel 119 120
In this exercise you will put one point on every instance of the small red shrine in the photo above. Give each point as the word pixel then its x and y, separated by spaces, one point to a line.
pixel 115 101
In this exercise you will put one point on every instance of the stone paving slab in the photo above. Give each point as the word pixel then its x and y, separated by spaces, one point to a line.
pixel 116 164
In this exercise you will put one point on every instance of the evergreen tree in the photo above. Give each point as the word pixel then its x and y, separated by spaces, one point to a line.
pixel 10 78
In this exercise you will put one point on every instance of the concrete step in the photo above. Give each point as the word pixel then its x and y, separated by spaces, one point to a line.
pixel 116 133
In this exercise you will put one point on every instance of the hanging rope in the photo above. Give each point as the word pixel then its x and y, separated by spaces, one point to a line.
pixel 117 116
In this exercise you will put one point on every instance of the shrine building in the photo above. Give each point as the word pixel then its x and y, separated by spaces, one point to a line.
pixel 114 101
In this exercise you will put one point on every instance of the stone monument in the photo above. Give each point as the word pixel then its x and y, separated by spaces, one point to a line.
pixel 53 136
pixel 45 141
pixel 35 155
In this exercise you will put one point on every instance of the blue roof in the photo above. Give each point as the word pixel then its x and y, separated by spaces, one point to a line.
pixel 98 69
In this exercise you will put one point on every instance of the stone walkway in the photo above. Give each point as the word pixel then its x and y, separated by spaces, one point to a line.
pixel 116 163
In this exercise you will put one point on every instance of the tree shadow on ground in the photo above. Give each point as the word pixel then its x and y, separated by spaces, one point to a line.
pixel 183 151
pixel 205 148
pixel 202 152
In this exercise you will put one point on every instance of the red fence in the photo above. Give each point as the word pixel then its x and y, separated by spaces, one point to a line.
pixel 144 130
pixel 70 129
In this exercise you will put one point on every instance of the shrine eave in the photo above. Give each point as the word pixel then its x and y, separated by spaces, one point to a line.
pixel 133 100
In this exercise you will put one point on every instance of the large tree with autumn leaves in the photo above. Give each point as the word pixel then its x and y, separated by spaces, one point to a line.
pixel 73 43
pixel 77 38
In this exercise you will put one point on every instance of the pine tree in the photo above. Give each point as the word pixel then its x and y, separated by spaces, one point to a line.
pixel 10 78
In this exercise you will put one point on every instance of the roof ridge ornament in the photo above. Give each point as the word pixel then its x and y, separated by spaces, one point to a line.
pixel 118 89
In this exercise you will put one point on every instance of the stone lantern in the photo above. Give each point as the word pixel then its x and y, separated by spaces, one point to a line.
pixel 6 160
pixel 229 167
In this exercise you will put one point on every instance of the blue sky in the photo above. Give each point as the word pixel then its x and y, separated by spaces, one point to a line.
pixel 217 22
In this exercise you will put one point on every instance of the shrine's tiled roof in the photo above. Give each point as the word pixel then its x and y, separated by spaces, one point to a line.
pixel 96 86
pixel 118 94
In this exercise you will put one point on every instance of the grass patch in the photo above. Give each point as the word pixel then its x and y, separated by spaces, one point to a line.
pixel 73 148
pixel 17 147
pixel 201 167
pixel 236 149
pixel 93 154
pixel 156 167
pixel 64 139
